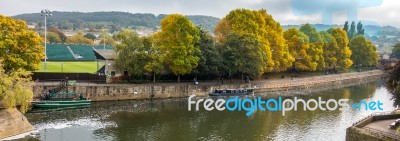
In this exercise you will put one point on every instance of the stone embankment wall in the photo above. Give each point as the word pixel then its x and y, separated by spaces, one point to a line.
pixel 13 122
pixel 103 92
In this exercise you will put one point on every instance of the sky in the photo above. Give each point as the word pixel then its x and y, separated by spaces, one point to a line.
pixel 378 12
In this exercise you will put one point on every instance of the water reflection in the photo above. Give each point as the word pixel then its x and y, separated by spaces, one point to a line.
pixel 171 120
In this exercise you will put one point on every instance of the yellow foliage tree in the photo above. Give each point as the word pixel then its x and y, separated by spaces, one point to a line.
pixel 79 38
pixel 20 48
pixel 15 88
pixel 344 52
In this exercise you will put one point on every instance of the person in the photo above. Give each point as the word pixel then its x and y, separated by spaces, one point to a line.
pixel 291 76
pixel 283 76
pixel 195 81
pixel 247 79
pixel 222 80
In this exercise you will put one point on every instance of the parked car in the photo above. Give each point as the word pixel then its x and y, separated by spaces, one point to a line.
pixel 395 124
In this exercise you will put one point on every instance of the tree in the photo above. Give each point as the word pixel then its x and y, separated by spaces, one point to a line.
pixel 248 57
pixel 90 36
pixel 132 56
pixel 344 52
pixel 177 40
pixel 330 48
pixel 62 36
pixel 298 43
pixel 53 37
pixel 346 26
pixel 79 39
pixel 262 26
pixel 107 38
pixel 15 88
pixel 360 30
pixel 155 65
pixel 316 45
pixel 210 59
pixel 396 51
pixel 363 52
pixel 20 48
pixel 352 31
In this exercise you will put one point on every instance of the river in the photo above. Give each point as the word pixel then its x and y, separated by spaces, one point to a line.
pixel 170 120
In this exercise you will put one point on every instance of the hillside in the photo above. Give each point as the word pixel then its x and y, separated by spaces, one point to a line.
pixel 114 20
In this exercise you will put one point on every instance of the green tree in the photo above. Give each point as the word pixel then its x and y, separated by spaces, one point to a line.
pixel 396 51
pixel 346 26
pixel 298 43
pixel 344 52
pixel 316 45
pixel 132 56
pixel 53 37
pixel 330 48
pixel 177 40
pixel 363 52
pixel 360 30
pixel 79 38
pixel 247 56
pixel 20 48
pixel 210 58
pixel 155 65
pixel 352 30
pixel 90 36
pixel 15 88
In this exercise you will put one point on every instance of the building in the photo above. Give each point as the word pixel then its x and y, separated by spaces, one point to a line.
pixel 106 57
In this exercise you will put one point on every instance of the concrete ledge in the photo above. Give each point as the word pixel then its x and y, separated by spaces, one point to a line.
pixel 13 122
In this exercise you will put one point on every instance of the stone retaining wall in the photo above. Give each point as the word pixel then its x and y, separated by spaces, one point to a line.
pixel 103 92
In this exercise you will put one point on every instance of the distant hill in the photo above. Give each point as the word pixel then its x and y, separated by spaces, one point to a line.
pixel 113 20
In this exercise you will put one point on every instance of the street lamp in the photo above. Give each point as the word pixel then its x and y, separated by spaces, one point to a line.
pixel 45 13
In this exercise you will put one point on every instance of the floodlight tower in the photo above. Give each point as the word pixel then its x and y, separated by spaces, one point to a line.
pixel 45 13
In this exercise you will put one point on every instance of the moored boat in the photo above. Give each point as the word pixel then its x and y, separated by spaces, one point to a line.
pixel 232 92
pixel 63 99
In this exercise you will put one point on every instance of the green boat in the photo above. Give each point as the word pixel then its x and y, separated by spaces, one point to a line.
pixel 58 104
pixel 55 98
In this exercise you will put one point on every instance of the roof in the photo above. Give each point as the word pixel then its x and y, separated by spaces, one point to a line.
pixel 104 54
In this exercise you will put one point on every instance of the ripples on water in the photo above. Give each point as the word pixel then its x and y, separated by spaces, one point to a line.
pixel 170 120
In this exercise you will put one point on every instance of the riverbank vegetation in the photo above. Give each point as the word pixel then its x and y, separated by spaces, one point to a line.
pixel 245 43
pixel 20 53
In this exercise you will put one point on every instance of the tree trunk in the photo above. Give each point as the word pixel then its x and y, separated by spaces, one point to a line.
pixel 154 77
pixel 179 78
pixel 242 77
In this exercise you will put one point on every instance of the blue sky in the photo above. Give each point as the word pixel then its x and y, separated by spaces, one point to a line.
pixel 382 12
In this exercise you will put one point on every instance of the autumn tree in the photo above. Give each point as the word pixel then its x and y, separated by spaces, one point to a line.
pixel 363 52
pixel 344 52
pixel 177 40
pixel 15 88
pixel 263 27
pixel 315 50
pixel 61 34
pixel 53 37
pixel 107 38
pixel 131 54
pixel 79 38
pixel 20 48
pixel 298 43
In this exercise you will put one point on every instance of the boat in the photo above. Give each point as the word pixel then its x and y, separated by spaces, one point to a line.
pixel 59 100
pixel 232 92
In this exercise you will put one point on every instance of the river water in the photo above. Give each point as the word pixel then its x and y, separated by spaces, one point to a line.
pixel 171 120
